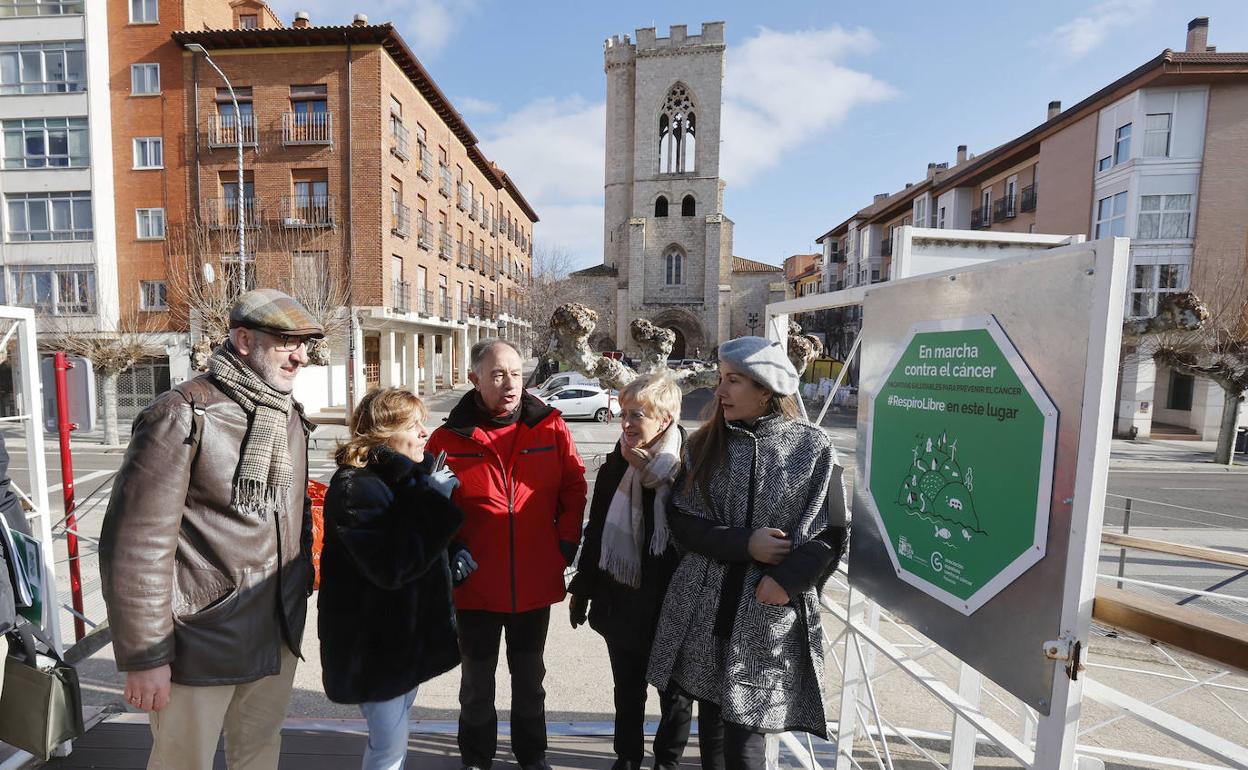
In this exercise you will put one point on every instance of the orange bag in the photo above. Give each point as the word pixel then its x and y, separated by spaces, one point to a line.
pixel 316 491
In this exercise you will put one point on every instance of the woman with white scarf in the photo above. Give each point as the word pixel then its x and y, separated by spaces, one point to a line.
pixel 627 560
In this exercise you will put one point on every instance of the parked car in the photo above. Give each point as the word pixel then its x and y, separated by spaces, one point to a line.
pixel 584 401
pixel 561 380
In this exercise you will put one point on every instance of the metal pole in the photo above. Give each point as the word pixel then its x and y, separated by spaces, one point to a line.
pixel 238 137
pixel 63 428
pixel 1122 552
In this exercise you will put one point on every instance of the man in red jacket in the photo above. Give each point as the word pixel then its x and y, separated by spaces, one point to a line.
pixel 522 490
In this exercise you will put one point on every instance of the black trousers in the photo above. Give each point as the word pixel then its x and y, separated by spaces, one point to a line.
pixel 628 670
pixel 724 745
pixel 479 636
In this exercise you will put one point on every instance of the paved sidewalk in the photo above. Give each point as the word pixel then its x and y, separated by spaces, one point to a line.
pixel 1170 456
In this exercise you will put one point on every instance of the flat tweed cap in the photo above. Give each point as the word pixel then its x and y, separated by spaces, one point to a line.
pixel 274 311
pixel 764 361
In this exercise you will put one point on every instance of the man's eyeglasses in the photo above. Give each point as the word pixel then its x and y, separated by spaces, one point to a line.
pixel 289 343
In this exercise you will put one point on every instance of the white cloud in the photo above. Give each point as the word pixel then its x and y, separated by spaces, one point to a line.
pixel 782 89
pixel 471 105
pixel 1081 35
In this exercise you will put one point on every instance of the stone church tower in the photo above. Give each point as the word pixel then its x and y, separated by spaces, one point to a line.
pixel 667 246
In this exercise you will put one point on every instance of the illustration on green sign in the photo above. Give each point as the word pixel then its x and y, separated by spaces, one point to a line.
pixel 960 461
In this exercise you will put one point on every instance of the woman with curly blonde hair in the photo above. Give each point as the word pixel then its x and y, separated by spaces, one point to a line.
pixel 385 617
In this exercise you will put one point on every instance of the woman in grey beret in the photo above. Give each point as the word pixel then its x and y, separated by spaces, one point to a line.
pixel 760 508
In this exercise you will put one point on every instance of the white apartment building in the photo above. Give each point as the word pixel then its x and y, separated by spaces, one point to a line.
pixel 58 248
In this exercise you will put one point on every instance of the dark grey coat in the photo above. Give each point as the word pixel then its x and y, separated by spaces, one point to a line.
pixel 762 664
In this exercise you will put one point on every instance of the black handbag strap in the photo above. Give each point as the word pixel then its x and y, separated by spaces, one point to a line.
pixel 26 634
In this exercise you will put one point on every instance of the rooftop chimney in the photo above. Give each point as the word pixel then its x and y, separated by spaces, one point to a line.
pixel 1198 35
pixel 1055 109
pixel 880 196
pixel 360 20
pixel 961 154
pixel 302 20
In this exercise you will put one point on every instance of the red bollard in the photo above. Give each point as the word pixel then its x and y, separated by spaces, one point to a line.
pixel 63 429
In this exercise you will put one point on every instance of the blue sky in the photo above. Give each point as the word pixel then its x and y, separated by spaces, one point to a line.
pixel 826 103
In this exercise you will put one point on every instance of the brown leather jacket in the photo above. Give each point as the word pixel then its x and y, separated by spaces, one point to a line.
pixel 188 580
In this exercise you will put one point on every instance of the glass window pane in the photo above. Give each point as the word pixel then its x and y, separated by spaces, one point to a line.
pixel 61 215
pixel 1174 225
pixel 1178 202
pixel 1120 203
pixel 32 67
pixel 1150 203
pixel 9 67
pixel 1143 276
pixel 1170 276
pixel 82 214
pixel 17 216
pixel 79 146
pixel 37 212
pixel 1149 226
pixel 76 68
pixel 58 142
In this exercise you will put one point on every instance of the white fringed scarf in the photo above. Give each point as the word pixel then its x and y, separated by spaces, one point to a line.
pixel 625 525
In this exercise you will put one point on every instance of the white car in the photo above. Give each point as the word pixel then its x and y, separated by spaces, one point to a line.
pixel 584 401
pixel 556 382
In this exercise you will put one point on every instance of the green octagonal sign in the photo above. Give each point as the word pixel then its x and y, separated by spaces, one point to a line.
pixel 960 461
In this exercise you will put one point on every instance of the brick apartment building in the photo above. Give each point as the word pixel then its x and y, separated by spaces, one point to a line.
pixel 363 187
pixel 1159 155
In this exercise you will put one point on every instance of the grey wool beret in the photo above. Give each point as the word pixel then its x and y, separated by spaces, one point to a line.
pixel 764 361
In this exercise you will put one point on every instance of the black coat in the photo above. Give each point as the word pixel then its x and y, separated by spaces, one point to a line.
pixel 385 616
pixel 623 615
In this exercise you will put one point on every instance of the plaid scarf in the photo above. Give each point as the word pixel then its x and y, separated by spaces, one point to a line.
pixel 262 482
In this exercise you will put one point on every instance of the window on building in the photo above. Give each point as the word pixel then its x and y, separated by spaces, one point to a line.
pixel 920 211
pixel 309 103
pixel 660 206
pixel 1182 388
pixel 1105 163
pixel 677 130
pixel 46 143
pixel 149 152
pixel 985 201
pixel 150 223
pixel 1111 216
pixel 311 199
pixel 153 295
pixel 1164 217
pixel 940 218
pixel 674 268
pixel 61 216
pixel 1122 144
pixel 229 199
pixel 231 119
pixel 144 11
pixel 12 8
pixel 1151 283
pixel 61 290
pixel 1157 135
pixel 43 68
pixel 687 206
pixel 248 21
pixel 144 79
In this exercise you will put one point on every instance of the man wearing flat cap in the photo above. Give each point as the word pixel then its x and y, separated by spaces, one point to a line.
pixel 205 549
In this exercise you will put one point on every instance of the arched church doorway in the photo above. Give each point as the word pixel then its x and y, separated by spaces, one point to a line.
pixel 678 347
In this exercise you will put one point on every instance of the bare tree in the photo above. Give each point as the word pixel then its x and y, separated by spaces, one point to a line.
pixel 111 353
pixel 306 263
pixel 1203 337
pixel 551 287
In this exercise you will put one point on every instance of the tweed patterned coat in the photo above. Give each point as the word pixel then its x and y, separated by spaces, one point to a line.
pixel 767 672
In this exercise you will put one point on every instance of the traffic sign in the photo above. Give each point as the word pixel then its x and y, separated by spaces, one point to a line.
pixel 960 461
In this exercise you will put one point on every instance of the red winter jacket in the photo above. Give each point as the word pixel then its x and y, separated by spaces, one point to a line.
pixel 514 517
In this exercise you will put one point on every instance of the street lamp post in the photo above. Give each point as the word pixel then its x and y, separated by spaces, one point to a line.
pixel 751 320
pixel 239 212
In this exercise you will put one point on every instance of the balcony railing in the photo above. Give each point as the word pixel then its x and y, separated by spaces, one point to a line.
pixel 465 199
pixel 222 213
pixel 486 220
pixel 424 302
pixel 424 231
pixel 467 308
pixel 446 185
pixel 1005 208
pixel 463 255
pixel 489 264
pixel 446 246
pixel 1029 198
pixel 307 128
pixel 426 164
pixel 401 224
pixel 478 261
pixel 401 296
pixel 400 145
pixel 981 218
pixel 225 130
pixel 475 214
pixel 308 210
pixel 447 306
